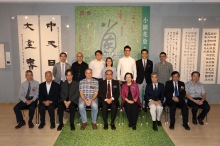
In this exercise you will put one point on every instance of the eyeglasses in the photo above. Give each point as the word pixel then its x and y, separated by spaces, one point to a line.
pixel 108 74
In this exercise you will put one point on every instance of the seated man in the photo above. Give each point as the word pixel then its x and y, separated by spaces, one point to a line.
pixel 175 94
pixel 109 93
pixel 154 96
pixel 28 95
pixel 88 88
pixel 69 98
pixel 49 92
pixel 196 95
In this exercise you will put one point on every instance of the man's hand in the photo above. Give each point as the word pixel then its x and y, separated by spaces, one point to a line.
pixel 47 103
pixel 88 102
pixel 109 101
pixel 199 102
pixel 67 103
pixel 175 99
pixel 28 102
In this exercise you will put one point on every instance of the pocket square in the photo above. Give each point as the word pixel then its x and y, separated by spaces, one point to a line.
pixel 114 86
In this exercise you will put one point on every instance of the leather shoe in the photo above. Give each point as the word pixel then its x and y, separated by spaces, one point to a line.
pixel 113 126
pixel 155 126
pixel 94 126
pixel 159 123
pixel 41 126
pixel 186 127
pixel 194 121
pixel 134 127
pixel 30 124
pixel 106 126
pixel 171 126
pixel 72 127
pixel 60 127
pixel 52 126
pixel 83 126
pixel 20 124
pixel 201 122
pixel 129 125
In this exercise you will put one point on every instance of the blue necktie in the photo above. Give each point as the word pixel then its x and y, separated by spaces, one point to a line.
pixel 175 90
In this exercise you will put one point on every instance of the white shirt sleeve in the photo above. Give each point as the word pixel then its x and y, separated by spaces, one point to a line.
pixel 119 69
pixel 134 70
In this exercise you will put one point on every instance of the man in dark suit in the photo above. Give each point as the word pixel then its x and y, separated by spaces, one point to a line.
pixel 109 93
pixel 144 69
pixel 49 92
pixel 175 97
pixel 69 98
pixel 154 96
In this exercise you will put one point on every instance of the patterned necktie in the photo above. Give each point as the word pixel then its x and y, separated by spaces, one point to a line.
pixel 28 91
pixel 144 64
pixel 63 73
pixel 175 90
pixel 109 91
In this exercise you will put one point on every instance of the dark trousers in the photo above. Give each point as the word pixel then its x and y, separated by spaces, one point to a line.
pixel 62 107
pixel 20 106
pixel 42 109
pixel 205 108
pixel 132 111
pixel 184 109
pixel 105 106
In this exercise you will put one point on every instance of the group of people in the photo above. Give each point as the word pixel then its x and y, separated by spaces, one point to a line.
pixel 99 85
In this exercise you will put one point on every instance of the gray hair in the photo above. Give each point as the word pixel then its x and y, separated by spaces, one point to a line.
pixel 48 72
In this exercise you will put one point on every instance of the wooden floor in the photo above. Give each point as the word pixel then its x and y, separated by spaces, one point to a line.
pixel 207 135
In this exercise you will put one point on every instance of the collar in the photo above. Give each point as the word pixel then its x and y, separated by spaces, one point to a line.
pixel 49 83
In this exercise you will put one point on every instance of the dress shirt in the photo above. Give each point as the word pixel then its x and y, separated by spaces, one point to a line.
pixel 97 67
pixel 195 90
pixel 48 87
pixel 33 91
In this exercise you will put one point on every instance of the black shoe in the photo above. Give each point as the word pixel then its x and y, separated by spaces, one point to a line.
pixel 20 124
pixel 41 126
pixel 159 123
pixel 72 127
pixel 113 126
pixel 186 126
pixel 155 126
pixel 171 127
pixel 129 124
pixel 30 124
pixel 194 121
pixel 134 127
pixel 106 126
pixel 52 126
pixel 60 127
pixel 201 122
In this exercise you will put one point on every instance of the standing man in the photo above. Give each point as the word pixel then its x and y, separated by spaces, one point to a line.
pixel 78 68
pixel 28 95
pixel 60 68
pixel 109 93
pixel 163 68
pixel 144 70
pixel 196 95
pixel 97 65
pixel 88 88
pixel 126 64
pixel 49 92
pixel 69 98
pixel 175 94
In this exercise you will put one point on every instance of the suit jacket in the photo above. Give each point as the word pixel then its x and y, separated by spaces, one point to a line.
pixel 103 90
pixel 73 92
pixel 134 91
pixel 57 71
pixel 141 73
pixel 53 95
pixel 151 94
pixel 169 89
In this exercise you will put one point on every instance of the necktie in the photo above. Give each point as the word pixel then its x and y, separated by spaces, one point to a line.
pixel 144 64
pixel 63 73
pixel 155 87
pixel 109 91
pixel 175 90
pixel 28 91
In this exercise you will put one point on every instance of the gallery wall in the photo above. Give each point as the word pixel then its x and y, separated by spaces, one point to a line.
pixel 162 16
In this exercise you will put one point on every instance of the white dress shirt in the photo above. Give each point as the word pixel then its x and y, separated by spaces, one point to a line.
pixel 48 87
pixel 154 86
pixel 126 64
pixel 97 67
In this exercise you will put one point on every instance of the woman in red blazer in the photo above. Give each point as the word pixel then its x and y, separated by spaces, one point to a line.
pixel 130 100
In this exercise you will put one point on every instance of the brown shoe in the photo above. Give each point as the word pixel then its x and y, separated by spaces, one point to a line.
pixel 94 126
pixel 20 124
pixel 31 125
pixel 83 126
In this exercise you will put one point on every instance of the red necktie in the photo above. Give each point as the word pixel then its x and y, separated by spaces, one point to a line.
pixel 109 91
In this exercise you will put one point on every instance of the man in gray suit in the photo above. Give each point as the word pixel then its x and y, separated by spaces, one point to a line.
pixel 60 68
pixel 69 98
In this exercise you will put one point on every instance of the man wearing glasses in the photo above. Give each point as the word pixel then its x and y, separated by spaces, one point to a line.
pixel 79 67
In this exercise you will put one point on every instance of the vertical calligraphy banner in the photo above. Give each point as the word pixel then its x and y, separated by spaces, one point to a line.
pixel 189 55
pixel 28 35
pixel 172 39
pixel 145 28
pixel 2 56
pixel 50 32
pixel 209 55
